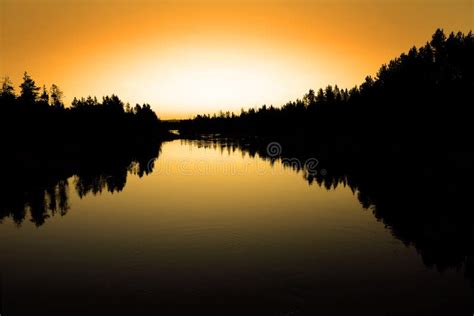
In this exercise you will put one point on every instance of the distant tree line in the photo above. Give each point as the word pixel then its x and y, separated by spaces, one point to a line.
pixel 39 115
pixel 426 92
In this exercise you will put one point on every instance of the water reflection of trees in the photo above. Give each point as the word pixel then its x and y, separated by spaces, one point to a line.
pixel 42 192
pixel 421 198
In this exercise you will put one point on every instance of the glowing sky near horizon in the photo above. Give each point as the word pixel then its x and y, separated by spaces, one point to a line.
pixel 186 57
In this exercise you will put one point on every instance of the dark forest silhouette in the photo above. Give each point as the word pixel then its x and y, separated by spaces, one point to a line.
pixel 425 94
pixel 38 115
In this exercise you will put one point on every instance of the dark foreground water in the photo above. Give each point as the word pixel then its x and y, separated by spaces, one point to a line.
pixel 217 232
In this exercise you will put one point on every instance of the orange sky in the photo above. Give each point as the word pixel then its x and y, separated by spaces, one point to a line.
pixel 187 56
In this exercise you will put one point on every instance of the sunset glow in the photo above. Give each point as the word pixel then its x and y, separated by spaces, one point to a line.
pixel 189 57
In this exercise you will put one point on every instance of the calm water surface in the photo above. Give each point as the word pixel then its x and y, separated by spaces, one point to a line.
pixel 218 232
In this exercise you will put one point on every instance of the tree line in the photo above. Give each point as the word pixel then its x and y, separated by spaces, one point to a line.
pixel 426 91
pixel 39 114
